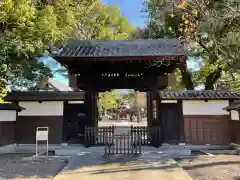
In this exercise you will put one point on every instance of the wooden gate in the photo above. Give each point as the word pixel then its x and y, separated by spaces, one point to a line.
pixel 123 144
pixel 95 136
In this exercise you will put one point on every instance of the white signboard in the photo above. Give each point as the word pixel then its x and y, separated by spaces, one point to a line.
pixel 41 135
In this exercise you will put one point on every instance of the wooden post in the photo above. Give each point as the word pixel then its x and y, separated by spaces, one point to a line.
pixel 91 110
pixel 65 123
pixel 91 104
pixel 149 109
pixel 182 131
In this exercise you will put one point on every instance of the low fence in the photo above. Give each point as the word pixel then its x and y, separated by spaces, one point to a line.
pixel 96 135
pixel 147 135
pixel 123 144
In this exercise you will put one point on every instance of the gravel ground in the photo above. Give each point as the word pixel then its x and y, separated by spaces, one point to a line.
pixel 26 166
pixel 219 167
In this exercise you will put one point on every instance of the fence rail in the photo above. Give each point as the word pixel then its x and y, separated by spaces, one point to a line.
pixel 98 135
pixel 122 144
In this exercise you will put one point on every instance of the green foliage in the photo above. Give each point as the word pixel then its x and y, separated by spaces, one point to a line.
pixel 130 97
pixel 30 29
pixel 210 31
pixel 27 30
pixel 101 22
pixel 3 91
pixel 109 100
pixel 135 99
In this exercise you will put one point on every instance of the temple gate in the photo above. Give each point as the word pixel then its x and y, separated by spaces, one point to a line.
pixel 143 65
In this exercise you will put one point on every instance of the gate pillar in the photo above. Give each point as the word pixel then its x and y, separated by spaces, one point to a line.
pixel 91 108
pixel 153 118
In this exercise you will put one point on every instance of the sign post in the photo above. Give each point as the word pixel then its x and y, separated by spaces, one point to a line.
pixel 41 135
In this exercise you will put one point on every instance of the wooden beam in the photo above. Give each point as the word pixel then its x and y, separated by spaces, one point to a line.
pixel 120 67
pixel 105 83
pixel 149 109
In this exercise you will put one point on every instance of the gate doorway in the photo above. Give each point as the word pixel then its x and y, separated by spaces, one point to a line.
pixel 122 108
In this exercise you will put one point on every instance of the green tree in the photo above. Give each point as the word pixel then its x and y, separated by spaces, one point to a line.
pixel 109 100
pixel 3 92
pixel 30 29
pixel 101 22
pixel 136 100
pixel 209 31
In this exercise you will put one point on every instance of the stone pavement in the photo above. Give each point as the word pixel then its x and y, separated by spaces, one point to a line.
pixel 149 166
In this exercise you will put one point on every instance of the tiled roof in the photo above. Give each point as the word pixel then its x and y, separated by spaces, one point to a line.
pixel 44 96
pixel 199 95
pixel 235 105
pixel 124 48
pixel 10 106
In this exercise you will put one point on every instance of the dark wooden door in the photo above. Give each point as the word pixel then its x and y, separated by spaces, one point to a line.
pixel 75 120
pixel 171 122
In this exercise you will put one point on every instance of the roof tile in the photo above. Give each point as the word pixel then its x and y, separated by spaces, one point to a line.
pixel 44 96
pixel 201 95
pixel 155 47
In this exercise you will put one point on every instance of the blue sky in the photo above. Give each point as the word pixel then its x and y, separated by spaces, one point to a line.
pixel 130 9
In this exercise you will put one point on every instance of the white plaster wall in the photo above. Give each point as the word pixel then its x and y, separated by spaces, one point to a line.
pixel 45 108
pixel 7 115
pixel 234 115
pixel 199 107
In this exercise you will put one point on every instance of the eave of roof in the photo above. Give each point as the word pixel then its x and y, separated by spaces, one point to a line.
pixel 199 95
pixel 44 96
pixel 10 106
pixel 235 105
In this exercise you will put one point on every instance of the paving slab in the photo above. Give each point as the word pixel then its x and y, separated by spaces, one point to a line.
pixel 218 167
pixel 94 166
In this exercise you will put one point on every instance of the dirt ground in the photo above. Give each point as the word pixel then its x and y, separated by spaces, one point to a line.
pixel 219 167
pixel 28 167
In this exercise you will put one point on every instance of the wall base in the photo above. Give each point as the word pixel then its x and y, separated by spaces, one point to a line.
pixel 8 149
pixel 74 149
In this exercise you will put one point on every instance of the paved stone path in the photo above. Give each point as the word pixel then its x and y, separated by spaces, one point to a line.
pixel 149 166
pixel 219 167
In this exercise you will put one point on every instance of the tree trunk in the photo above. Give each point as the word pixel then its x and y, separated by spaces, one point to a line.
pixel 131 117
pixel 138 116
pixel 212 78
pixel 187 79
